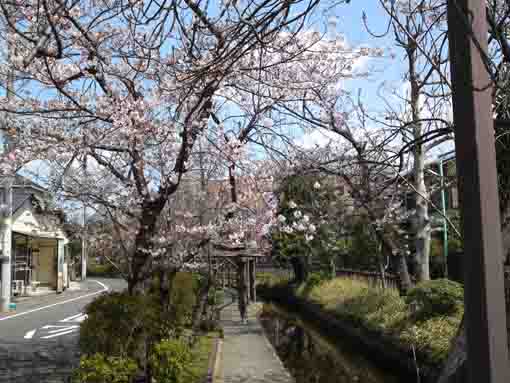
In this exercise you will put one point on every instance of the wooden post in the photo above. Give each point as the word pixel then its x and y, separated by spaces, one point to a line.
pixel 485 312
pixel 246 267
pixel 242 288
pixel 252 272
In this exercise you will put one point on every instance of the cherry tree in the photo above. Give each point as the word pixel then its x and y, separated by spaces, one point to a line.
pixel 113 95
pixel 423 120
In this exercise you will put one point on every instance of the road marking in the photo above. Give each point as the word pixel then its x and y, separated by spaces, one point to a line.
pixel 69 319
pixel 58 334
pixel 59 328
pixel 105 288
pixel 80 317
pixel 29 334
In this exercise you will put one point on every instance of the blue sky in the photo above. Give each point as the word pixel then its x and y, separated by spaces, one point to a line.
pixel 351 25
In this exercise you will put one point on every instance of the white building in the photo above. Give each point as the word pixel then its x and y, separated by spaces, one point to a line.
pixel 32 242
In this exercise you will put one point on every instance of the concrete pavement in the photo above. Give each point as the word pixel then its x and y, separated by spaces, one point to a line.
pixel 39 342
pixel 247 356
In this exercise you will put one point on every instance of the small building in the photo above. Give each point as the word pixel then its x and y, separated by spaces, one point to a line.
pixel 36 239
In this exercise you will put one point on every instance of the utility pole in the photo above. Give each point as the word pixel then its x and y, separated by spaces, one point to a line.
pixel 84 245
pixel 442 161
pixel 6 203
pixel 84 232
pixel 6 241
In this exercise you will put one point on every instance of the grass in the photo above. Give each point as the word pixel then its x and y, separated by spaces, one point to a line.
pixel 386 313
pixel 201 352
pixel 270 279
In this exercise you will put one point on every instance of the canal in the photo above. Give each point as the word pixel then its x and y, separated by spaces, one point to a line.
pixel 311 358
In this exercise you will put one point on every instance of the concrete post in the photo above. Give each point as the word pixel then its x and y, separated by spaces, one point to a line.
pixel 6 249
pixel 60 266
pixel 6 282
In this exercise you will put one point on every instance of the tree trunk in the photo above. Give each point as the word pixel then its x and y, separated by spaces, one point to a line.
pixel 300 268
pixel 201 301
pixel 421 222
pixel 454 367
pixel 141 262
pixel 403 273
pixel 382 272
pixel 332 267
pixel 166 281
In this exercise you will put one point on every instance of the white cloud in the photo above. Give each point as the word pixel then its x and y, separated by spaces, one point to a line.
pixel 317 138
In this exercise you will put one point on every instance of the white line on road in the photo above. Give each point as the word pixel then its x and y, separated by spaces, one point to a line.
pixel 29 334
pixel 63 329
pixel 105 288
pixel 69 319
pixel 60 333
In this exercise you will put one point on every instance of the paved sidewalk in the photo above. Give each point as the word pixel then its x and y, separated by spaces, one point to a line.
pixel 247 355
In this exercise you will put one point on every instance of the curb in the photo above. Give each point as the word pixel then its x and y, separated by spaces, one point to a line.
pixel 214 374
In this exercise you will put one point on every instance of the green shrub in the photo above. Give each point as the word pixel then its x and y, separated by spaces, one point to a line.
pixel 98 368
pixel 182 298
pixel 216 297
pixel 105 271
pixel 115 324
pixel 169 361
pixel 436 297
pixel 271 280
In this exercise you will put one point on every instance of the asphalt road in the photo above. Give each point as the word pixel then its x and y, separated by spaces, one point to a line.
pixel 35 323
pixel 39 342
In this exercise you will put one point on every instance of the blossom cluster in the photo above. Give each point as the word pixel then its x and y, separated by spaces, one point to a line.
pixel 297 223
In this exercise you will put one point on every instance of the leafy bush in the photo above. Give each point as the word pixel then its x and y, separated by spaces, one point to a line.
pixel 98 368
pixel 169 361
pixel 313 280
pixel 182 298
pixel 105 271
pixel 116 323
pixel 270 279
pixel 216 297
pixel 436 297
